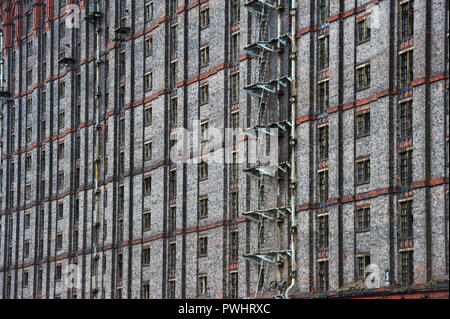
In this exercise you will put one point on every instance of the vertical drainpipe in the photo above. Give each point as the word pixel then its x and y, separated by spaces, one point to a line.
pixel 293 144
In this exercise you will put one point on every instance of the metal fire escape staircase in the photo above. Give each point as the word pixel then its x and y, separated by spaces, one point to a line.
pixel 258 172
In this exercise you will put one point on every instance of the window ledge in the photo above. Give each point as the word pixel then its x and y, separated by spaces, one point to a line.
pixel 363 41
pixel 362 230
pixel 362 135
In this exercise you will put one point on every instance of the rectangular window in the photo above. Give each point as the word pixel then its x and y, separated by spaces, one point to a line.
pixel 235 46
pixel 363 219
pixel 146 291
pixel 61 150
pixel 203 246
pixel 60 211
pixel 203 170
pixel 173 6
pixel 362 171
pixel 323 186
pixel 171 294
pixel 234 246
pixel 361 265
pixel 59 241
pixel 173 183
pixel 235 11
pixel 204 18
pixel 148 11
pixel 172 219
pixel 62 89
pixel 323 96
pixel 26 249
pixel 323 142
pixel 204 56
pixel 406 268
pixel 323 53
pixel 28 162
pixel 324 11
pixel 148 81
pixel 122 63
pixel 172 256
pixel 148 46
pixel 405 114
pixel 25 278
pixel 363 77
pixel 406 19
pixel 27 191
pixel 173 39
pixel 202 285
pixel 60 180
pixel 146 220
pixel 363 30
pixel 145 256
pixel 29 77
pixel 148 116
pixel 234 285
pixel 362 124
pixel 147 185
pixel 204 131
pixel 27 220
pixel 203 207
pixel 29 132
pixel 406 168
pixel 29 105
pixel 121 198
pixel 61 119
pixel 406 220
pixel 323 276
pixel 234 205
pixel 174 109
pixel 58 272
pixel 406 68
pixel 173 74
pixel 323 232
pixel 204 94
pixel 147 151
pixel 29 48
pixel 235 88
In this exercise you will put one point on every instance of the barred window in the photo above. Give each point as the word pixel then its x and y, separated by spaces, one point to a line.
pixel 148 46
pixel 361 265
pixel 172 256
pixel 324 11
pixel 406 168
pixel 323 53
pixel 204 18
pixel 363 30
pixel 148 11
pixel 323 142
pixel 203 207
pixel 235 88
pixel 235 11
pixel 204 56
pixel 405 113
pixel 323 232
pixel 145 256
pixel 323 186
pixel 363 218
pixel 363 77
pixel 323 97
pixel 406 219
pixel 362 171
pixel 147 185
pixel 406 268
pixel 203 246
pixel 234 246
pixel 323 276
pixel 146 220
pixel 204 94
pixel 406 68
pixel 406 19
pixel 362 124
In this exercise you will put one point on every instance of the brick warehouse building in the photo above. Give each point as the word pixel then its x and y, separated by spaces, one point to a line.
pixel 357 89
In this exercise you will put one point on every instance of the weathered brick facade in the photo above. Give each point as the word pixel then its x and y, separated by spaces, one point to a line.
pixel 108 226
